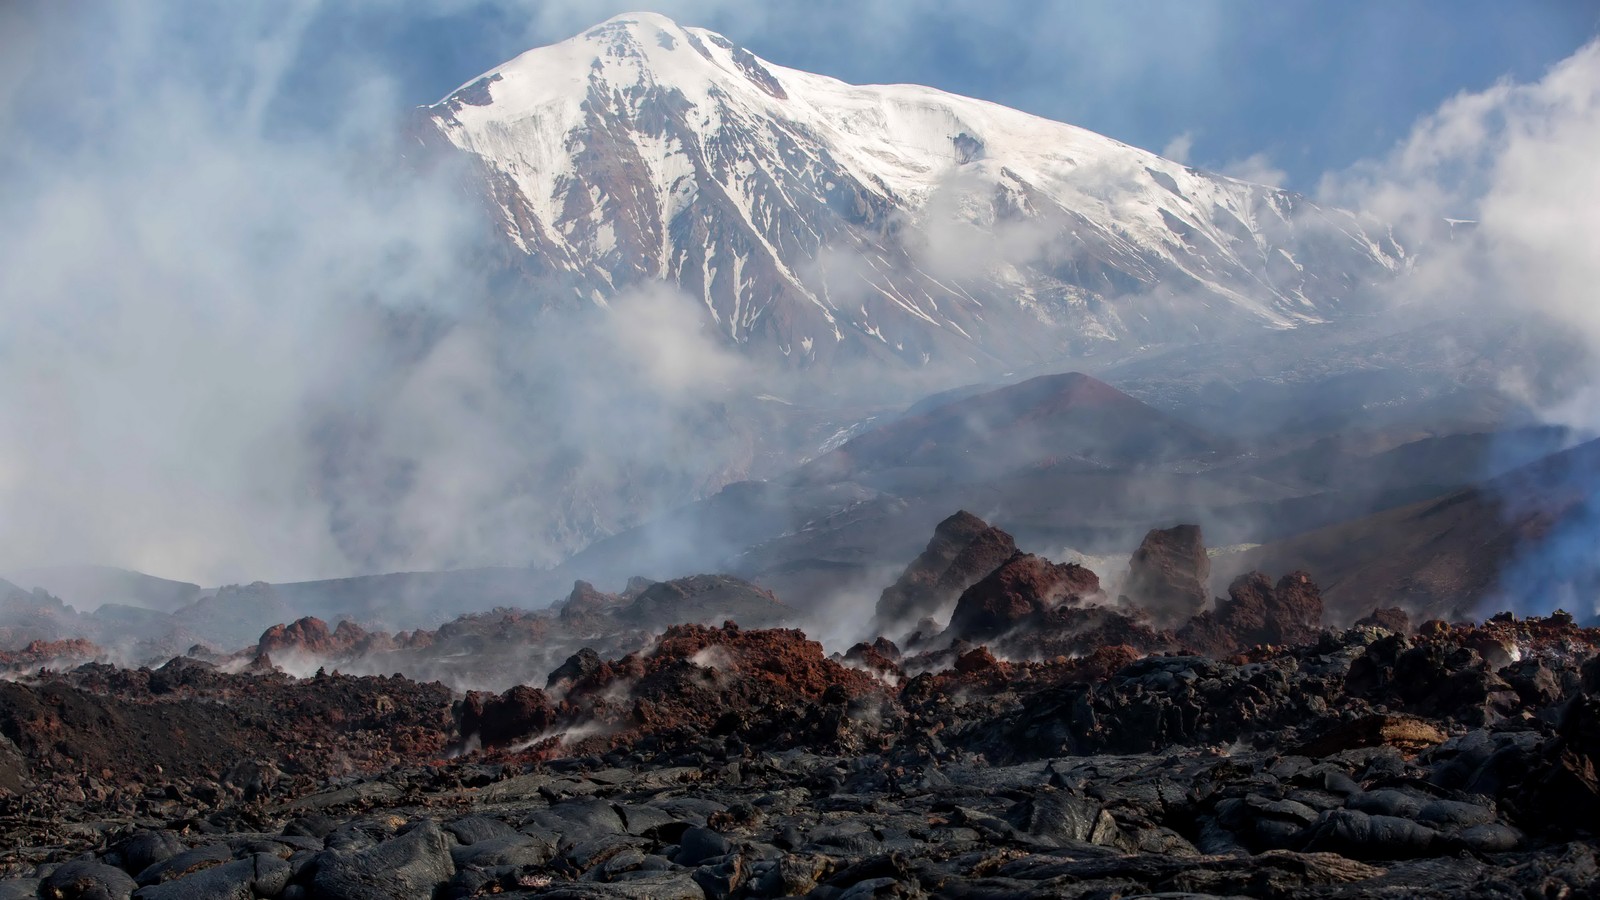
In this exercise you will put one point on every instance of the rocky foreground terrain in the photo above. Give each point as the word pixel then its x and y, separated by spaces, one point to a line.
pixel 1015 733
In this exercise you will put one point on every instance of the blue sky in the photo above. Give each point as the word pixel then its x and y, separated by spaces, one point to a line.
pixel 1298 87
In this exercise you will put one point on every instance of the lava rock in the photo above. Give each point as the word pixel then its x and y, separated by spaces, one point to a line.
pixel 1361 836
pixel 964 549
pixel 1167 575
pixel 1391 618
pixel 261 874
pixel 1024 586
pixel 700 845
pixel 517 714
pixel 144 849
pixel 186 863
pixel 86 880
pixel 1255 613
pixel 414 864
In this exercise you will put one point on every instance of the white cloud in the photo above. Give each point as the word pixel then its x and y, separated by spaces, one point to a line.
pixel 1179 148
pixel 233 350
pixel 1518 160
pixel 1257 168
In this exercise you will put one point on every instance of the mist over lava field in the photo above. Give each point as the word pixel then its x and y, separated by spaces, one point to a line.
pixel 900 449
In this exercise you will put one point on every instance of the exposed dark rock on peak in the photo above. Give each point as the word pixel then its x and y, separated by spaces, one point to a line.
pixel 963 550
pixel 1449 556
pixel 1167 575
pixel 1021 588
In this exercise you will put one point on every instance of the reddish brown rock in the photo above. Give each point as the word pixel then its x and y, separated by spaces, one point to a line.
pixel 780 660
pixel 57 654
pixel 584 605
pixel 1167 574
pixel 757 684
pixel 1024 586
pixel 976 661
pixel 1295 615
pixel 882 655
pixel 964 550
pixel 521 713
pixel 1392 618
pixel 310 636
pixel 1256 612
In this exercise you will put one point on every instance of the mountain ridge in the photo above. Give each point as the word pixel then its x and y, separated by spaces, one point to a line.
pixel 816 220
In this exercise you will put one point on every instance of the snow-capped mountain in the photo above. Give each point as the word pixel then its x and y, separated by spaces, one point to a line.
pixel 821 220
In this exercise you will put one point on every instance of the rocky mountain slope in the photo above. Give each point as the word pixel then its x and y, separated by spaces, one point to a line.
pixel 1522 538
pixel 818 221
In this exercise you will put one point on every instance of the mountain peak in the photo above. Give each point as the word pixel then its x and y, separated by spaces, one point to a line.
pixel 816 219
pixel 642 29
pixel 639 19
pixel 628 51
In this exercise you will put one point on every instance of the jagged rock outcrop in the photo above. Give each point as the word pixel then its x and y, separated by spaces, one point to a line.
pixel 1023 586
pixel 1257 612
pixel 758 685
pixel 1568 781
pixel 1072 631
pixel 964 549
pixel 881 655
pixel 1389 618
pixel 579 667
pixel 56 654
pixel 1167 575
pixel 584 605
pixel 520 713
pixel 310 636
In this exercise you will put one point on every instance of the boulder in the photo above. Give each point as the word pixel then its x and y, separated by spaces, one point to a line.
pixel 1257 612
pixel 86 880
pixel 414 864
pixel 1024 586
pixel 519 713
pixel 964 549
pixel 260 874
pixel 1391 618
pixel 1167 575
pixel 143 849
pixel 579 666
